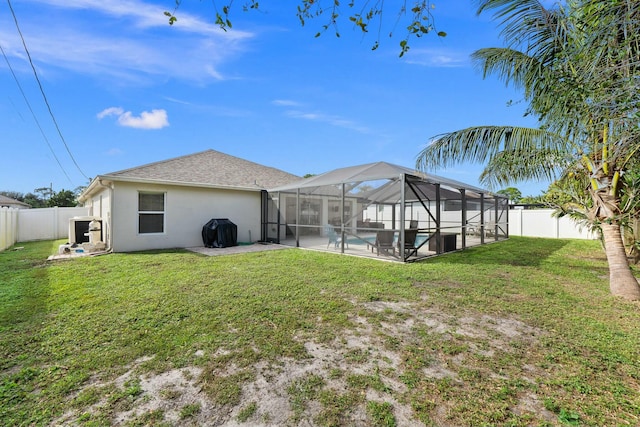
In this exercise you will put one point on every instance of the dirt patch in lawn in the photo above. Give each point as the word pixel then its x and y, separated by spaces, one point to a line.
pixel 371 374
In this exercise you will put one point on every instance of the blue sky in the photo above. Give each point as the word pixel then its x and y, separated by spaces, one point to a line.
pixel 127 89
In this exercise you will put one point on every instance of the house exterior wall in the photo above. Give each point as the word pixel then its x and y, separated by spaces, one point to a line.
pixel 187 209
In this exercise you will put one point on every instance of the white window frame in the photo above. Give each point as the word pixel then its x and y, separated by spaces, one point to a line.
pixel 162 212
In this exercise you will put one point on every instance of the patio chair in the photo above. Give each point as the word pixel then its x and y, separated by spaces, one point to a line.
pixel 410 248
pixel 490 229
pixel 384 242
pixel 471 230
pixel 334 237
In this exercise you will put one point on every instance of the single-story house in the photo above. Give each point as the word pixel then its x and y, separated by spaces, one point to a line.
pixel 165 204
pixel 8 202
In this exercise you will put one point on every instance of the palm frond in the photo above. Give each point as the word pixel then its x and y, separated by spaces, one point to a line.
pixel 480 144
pixel 510 65
pixel 613 45
pixel 508 167
pixel 529 26
pixel 607 56
pixel 534 61
pixel 542 85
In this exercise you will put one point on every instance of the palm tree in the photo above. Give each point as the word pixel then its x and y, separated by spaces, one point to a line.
pixel 579 68
pixel 630 201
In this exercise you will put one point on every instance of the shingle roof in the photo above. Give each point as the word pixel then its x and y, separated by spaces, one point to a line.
pixel 208 168
pixel 8 201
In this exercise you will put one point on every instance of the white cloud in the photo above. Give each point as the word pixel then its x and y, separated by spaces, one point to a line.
pixel 126 40
pixel 111 111
pixel 329 119
pixel 114 152
pixel 285 103
pixel 438 58
pixel 319 117
pixel 212 109
pixel 146 15
pixel 154 119
pixel 177 101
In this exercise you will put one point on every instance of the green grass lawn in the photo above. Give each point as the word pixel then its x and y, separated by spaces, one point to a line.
pixel 519 333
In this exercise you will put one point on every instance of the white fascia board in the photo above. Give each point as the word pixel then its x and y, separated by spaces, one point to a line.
pixel 177 183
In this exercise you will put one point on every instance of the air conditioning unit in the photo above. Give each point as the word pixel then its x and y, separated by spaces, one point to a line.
pixel 79 228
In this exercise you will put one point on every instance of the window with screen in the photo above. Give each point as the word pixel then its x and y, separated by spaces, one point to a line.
pixel 150 213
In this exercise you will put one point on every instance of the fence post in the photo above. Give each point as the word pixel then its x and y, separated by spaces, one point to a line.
pixel 55 223
pixel 3 226
pixel 14 226
pixel 8 227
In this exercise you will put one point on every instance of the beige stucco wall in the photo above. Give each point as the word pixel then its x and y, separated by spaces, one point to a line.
pixel 187 209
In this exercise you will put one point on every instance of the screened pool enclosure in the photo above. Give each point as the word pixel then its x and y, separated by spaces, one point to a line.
pixel 384 211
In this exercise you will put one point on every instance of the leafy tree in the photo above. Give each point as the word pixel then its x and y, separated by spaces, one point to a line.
pixel 34 200
pixel 63 198
pixel 46 197
pixel 512 193
pixel 578 65
pixel 416 17
pixel 532 200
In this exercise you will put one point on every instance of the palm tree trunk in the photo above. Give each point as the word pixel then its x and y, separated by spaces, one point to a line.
pixel 622 282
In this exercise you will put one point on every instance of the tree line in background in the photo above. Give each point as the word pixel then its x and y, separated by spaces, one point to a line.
pixel 46 197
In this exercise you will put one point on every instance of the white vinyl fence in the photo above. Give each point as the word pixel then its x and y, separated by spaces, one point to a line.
pixel 23 225
pixel 46 223
pixel 8 227
pixel 541 223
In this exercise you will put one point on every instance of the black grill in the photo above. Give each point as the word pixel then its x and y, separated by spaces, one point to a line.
pixel 220 233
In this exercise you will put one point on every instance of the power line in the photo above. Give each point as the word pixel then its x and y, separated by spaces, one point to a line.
pixel 34 115
pixel 42 92
pixel 11 100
